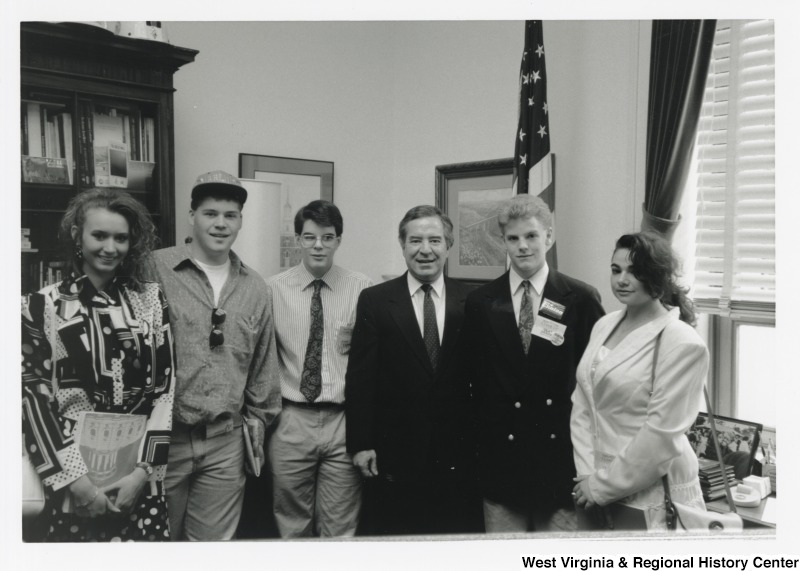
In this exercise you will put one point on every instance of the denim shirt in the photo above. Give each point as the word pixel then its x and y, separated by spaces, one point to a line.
pixel 240 376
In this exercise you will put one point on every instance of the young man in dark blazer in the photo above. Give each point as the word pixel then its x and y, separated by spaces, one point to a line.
pixel 526 332
pixel 407 406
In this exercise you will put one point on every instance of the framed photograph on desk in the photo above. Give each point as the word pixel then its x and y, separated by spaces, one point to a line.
pixel 738 441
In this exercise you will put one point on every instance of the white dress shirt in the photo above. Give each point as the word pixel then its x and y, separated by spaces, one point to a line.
pixel 290 294
pixel 418 299
pixel 538 280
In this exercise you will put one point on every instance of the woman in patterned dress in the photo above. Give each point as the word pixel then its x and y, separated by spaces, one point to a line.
pixel 628 428
pixel 99 341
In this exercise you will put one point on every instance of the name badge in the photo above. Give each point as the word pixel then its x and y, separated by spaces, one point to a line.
pixel 551 308
pixel 549 329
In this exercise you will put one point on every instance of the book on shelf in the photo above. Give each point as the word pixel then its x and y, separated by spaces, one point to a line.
pixel 111 165
pixel 44 129
pixel 42 273
pixel 150 137
pixel 68 148
pixel 23 127
pixel 34 142
pixel 86 144
pixel 45 170
pixel 140 175
pixel 108 140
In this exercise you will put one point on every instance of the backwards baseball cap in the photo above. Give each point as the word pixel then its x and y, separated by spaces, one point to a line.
pixel 218 183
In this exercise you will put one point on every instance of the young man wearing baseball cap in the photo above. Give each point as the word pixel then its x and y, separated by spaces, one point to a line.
pixel 226 364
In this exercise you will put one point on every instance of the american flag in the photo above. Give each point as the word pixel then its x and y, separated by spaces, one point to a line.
pixel 533 164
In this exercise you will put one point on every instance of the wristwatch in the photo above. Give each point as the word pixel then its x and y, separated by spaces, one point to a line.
pixel 146 466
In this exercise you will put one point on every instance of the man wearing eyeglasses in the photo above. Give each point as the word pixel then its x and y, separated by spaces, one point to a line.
pixel 316 488
pixel 226 364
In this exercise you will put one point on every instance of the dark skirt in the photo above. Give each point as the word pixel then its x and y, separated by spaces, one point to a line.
pixel 148 521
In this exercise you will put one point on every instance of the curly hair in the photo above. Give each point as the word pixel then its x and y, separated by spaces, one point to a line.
pixel 142 231
pixel 656 266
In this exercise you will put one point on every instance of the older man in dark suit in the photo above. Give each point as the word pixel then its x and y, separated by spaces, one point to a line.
pixel 526 332
pixel 407 405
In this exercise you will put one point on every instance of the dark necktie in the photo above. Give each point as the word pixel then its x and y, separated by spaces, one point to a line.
pixel 526 316
pixel 429 327
pixel 311 379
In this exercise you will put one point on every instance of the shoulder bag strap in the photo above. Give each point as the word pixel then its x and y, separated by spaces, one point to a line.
pixel 714 436
pixel 669 507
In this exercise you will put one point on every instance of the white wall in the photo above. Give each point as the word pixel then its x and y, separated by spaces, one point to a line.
pixel 598 128
pixel 388 101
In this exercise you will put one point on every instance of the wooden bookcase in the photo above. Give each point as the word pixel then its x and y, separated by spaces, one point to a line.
pixel 92 90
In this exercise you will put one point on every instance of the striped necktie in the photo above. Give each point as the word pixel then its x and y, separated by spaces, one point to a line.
pixel 526 316
pixel 430 328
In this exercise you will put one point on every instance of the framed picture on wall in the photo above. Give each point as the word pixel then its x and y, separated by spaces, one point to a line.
pixel 298 181
pixel 470 193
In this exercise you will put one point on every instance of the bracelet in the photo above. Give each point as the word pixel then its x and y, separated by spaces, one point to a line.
pixel 88 503
pixel 146 466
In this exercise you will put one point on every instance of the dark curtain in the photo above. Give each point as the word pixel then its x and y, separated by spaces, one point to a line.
pixel 679 60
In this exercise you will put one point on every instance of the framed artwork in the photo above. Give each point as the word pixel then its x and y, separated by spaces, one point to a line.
pixel 738 441
pixel 297 182
pixel 470 193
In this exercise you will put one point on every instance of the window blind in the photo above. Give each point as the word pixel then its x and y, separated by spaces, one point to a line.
pixel 735 226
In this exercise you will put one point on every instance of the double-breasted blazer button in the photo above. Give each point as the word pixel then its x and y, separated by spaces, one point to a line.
pixel 510 437
pixel 549 402
pixel 517 404
pixel 552 437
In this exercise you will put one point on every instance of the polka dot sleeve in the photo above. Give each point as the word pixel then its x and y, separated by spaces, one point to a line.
pixel 153 308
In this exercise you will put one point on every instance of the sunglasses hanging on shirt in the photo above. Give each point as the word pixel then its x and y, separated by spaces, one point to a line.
pixel 216 338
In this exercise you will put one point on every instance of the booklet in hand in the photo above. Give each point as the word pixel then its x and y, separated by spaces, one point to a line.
pixel 249 430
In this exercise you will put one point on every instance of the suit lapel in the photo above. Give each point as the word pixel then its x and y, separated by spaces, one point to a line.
pixel 453 318
pixel 402 311
pixel 500 314
pixel 629 346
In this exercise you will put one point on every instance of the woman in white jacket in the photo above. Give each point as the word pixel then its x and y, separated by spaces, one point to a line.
pixel 628 430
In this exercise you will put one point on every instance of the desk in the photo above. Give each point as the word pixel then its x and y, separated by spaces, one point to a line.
pixel 750 516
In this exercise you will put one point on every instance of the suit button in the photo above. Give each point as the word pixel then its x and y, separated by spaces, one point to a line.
pixel 549 402
pixel 517 405
pixel 510 437
pixel 552 437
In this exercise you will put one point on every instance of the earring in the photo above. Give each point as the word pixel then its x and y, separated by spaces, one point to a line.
pixel 78 252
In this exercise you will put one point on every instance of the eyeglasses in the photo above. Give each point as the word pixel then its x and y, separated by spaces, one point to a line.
pixel 216 338
pixel 310 240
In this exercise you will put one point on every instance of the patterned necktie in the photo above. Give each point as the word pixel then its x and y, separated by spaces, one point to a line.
pixel 311 379
pixel 429 327
pixel 526 317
